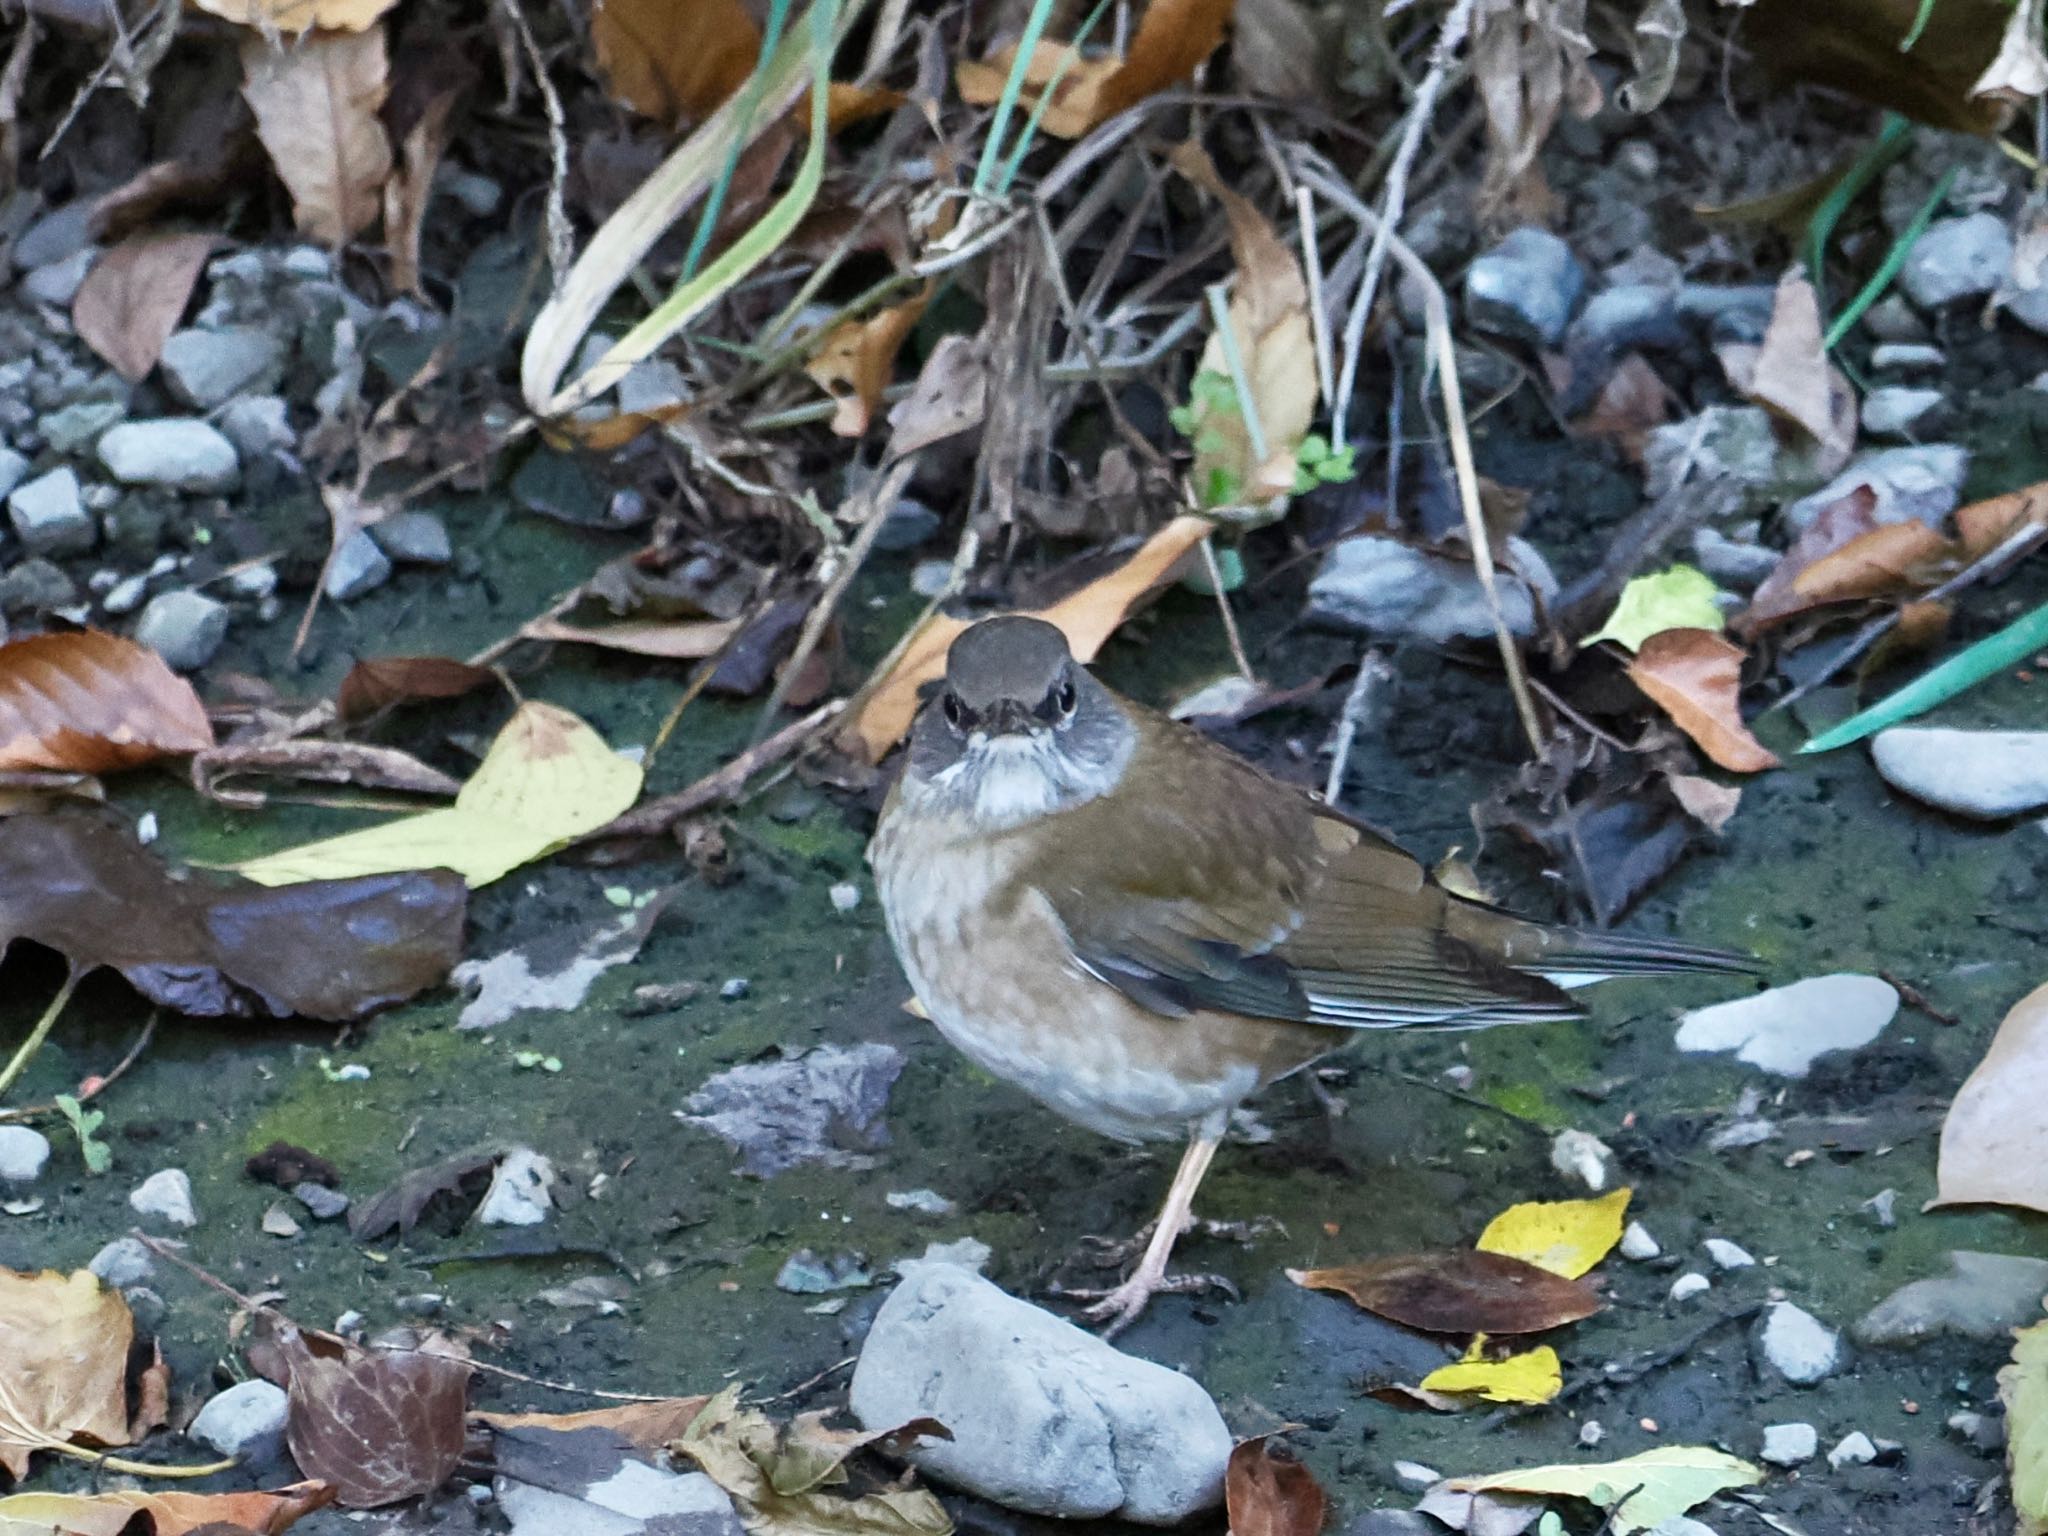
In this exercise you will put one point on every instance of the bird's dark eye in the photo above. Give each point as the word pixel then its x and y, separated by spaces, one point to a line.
pixel 1064 696
pixel 955 711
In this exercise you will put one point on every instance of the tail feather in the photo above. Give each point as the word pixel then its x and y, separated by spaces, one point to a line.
pixel 1620 954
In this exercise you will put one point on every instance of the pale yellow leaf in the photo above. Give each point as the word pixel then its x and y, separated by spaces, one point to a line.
pixel 1534 1376
pixel 1680 598
pixel 1666 1481
pixel 1566 1237
pixel 297 15
pixel 546 781
pixel 2023 1388
pixel 1994 1143
pixel 63 1363
pixel 316 105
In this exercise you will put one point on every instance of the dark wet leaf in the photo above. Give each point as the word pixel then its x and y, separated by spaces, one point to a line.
pixel 462 1177
pixel 285 1165
pixel 761 647
pixel 88 702
pixel 1859 49
pixel 327 949
pixel 1458 1290
pixel 382 681
pixel 380 1427
pixel 1269 1493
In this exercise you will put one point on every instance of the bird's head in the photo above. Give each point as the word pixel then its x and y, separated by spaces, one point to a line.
pixel 1018 729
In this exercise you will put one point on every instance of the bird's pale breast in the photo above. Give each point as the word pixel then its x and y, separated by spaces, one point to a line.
pixel 990 963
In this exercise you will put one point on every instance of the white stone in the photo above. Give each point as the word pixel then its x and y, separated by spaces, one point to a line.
pixel 1987 775
pixel 1413 1474
pixel 1957 259
pixel 179 452
pixel 186 628
pixel 926 1202
pixel 1924 482
pixel 1784 1029
pixel 1637 1244
pixel 1800 1347
pixel 845 896
pixel 1046 1418
pixel 23 1153
pixel 1897 411
pixel 634 1499
pixel 1727 1255
pixel 49 515
pixel 1853 1450
pixel 1907 357
pixel 1582 1156
pixel 1689 1285
pixel 126 595
pixel 246 1421
pixel 1790 1445
pixel 522 1190
pixel 166 1195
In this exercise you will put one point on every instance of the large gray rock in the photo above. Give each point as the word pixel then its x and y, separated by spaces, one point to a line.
pixel 49 515
pixel 23 1152
pixel 1985 774
pixel 186 628
pixel 1924 482
pixel 1983 1296
pixel 204 369
pixel 1380 586
pixel 246 1421
pixel 180 452
pixel 1045 1417
pixel 1525 287
pixel 1957 259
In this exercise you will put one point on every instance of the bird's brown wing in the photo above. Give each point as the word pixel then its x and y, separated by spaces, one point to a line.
pixel 1218 888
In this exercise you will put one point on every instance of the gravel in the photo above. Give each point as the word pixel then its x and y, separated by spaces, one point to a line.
pixel 179 452
pixel 186 628
pixel 49 515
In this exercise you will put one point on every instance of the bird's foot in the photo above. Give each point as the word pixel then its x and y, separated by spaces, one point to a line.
pixel 1118 1307
pixel 1116 1252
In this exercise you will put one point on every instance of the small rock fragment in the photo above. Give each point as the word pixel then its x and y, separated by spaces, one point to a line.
pixel 321 1203
pixel 1790 1445
pixel 1585 1157
pixel 414 538
pixel 56 283
pixel 1986 775
pixel 1852 1450
pixel 13 470
pixel 204 369
pixel 49 515
pixel 1637 1244
pixel 1957 259
pixel 1907 357
pixel 358 567
pixel 1380 586
pixel 735 988
pixel 1727 1255
pixel 1981 1431
pixel 126 595
pixel 123 1263
pixel 166 1195
pixel 1799 1347
pixel 1883 1208
pixel 1897 411
pixel 186 628
pixel 279 1222
pixel 246 1421
pixel 178 452
pixel 57 234
pixel 1525 287
pixel 807 1273
pixel 23 1153
pixel 522 1191
pixel 1689 1285
pixel 926 1202
pixel 258 425
pixel 1413 1474
pixel 1045 1417
pixel 845 896
pixel 1591 1433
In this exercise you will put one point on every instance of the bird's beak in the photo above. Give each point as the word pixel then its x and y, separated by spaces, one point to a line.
pixel 1009 717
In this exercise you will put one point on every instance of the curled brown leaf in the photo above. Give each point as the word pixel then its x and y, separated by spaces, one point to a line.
pixel 1458 1290
pixel 379 1426
pixel 88 702
pixel 1695 677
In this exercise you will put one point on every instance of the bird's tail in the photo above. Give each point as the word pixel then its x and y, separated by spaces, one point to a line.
pixel 1588 956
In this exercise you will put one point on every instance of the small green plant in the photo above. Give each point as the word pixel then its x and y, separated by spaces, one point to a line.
pixel 99 1157
pixel 1317 463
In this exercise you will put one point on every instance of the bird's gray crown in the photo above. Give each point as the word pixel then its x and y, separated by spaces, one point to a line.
pixel 1010 657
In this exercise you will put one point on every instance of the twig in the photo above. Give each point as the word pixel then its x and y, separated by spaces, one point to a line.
pixel 1360 705
pixel 99 1084
pixel 561 236
pixel 657 816
pixel 22 1057
pixel 1312 270
pixel 1244 665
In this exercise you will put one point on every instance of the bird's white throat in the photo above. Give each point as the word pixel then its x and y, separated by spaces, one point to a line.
pixel 1000 782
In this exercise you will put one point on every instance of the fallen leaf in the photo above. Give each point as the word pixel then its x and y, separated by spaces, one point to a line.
pixel 650 1426
pixel 1534 1376
pixel 1654 46
pixel 2023 1388
pixel 547 780
pixel 1088 617
pixel 1789 373
pixel 359 763
pixel 669 639
pixel 379 1425
pixel 1839 523
pixel 827 1105
pixel 1530 66
pixel 949 397
pixel 1458 1290
pixel 439 76
pixel 134 296
pixel 1856 49
pixel 316 108
pixel 398 1208
pixel 1269 1493
pixel 1984 525
pixel 1679 598
pixel 1782 1030
pixel 1173 38
pixel 674 63
pixel 779 1476
pixel 169 1514
pixel 1994 1144
pixel 1637 1491
pixel 855 359
pixel 1631 404
pixel 1695 676
pixel 87 702
pixel 334 950
pixel 1710 804
pixel 1887 560
pixel 382 681
pixel 556 971
pixel 64 1343
pixel 1566 1237
pixel 1269 319
pixel 299 15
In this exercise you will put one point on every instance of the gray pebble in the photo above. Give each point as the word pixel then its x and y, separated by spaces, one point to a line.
pixel 184 627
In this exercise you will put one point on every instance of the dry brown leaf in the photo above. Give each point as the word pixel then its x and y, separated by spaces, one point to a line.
pixel 1271 1494
pixel 855 359
pixel 1893 558
pixel 1173 38
pixel 87 702
pixel 1531 65
pixel 411 184
pixel 1458 1290
pixel 1984 525
pixel 1695 676
pixel 1838 524
pixel 362 764
pixel 1855 49
pixel 63 1363
pixel 1632 403
pixel 1088 617
pixel 379 682
pixel 1994 1143
pixel 379 1426
pixel 670 639
pixel 132 299
pixel 1922 625
pixel 169 1514
pixel 950 396
pixel 1789 373
pixel 1269 317
pixel 1709 803
pixel 650 1426
pixel 674 62
pixel 298 15
pixel 316 105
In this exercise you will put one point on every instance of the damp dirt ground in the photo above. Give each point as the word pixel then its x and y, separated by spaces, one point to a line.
pixel 1822 869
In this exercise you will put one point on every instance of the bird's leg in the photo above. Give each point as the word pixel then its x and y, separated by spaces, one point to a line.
pixel 1120 1307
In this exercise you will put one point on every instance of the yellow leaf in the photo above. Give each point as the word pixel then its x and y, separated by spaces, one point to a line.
pixel 63 1361
pixel 2023 1388
pixel 1680 598
pixel 1534 1376
pixel 546 781
pixel 1566 1237
pixel 1667 1481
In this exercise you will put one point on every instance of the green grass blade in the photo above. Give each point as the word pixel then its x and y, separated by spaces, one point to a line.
pixel 1920 20
pixel 1045 97
pixel 1888 269
pixel 1889 144
pixel 750 106
pixel 1034 29
pixel 1988 657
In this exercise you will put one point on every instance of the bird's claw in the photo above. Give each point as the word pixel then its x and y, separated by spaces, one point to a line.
pixel 1115 1252
pixel 1117 1307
